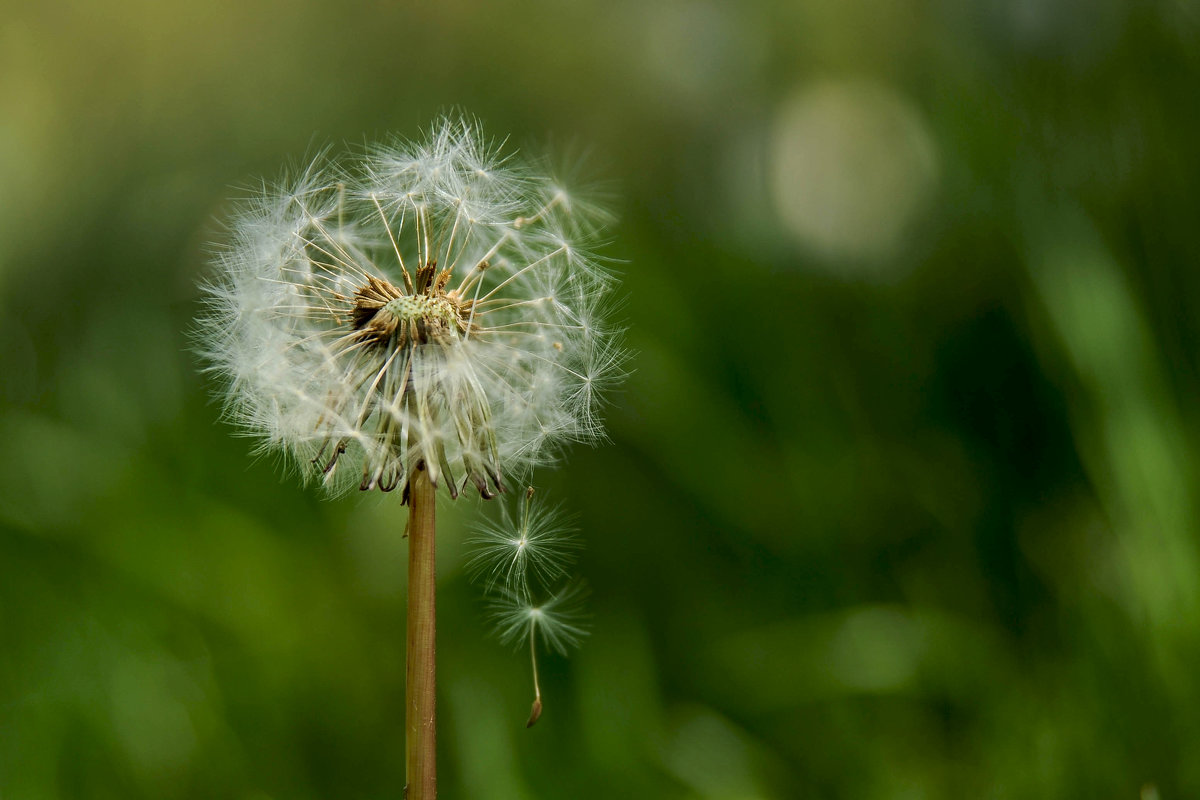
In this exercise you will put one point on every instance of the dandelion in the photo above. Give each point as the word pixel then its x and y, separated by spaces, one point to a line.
pixel 434 302
pixel 426 315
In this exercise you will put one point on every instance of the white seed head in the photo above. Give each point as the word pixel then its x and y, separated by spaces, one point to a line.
pixel 432 301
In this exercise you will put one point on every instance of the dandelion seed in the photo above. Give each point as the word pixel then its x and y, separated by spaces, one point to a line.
pixel 534 542
pixel 432 302
pixel 558 620
pixel 526 550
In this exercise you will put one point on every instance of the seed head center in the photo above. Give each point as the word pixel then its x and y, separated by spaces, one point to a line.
pixel 422 309
pixel 384 314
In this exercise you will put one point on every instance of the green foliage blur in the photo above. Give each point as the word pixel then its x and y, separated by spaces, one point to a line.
pixel 902 495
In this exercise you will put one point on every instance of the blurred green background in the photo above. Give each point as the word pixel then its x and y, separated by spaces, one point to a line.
pixel 901 500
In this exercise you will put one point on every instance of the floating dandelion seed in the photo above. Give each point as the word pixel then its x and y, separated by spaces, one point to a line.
pixel 517 557
pixel 558 620
pixel 535 541
pixel 434 302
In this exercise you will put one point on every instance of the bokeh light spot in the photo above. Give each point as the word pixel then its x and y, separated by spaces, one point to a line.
pixel 851 166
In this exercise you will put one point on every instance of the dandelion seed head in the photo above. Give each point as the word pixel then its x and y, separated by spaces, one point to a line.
pixel 432 301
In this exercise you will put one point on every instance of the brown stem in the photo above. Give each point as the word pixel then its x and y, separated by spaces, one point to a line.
pixel 420 687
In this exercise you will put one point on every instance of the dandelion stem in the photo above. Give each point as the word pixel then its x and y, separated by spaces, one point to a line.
pixel 421 682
